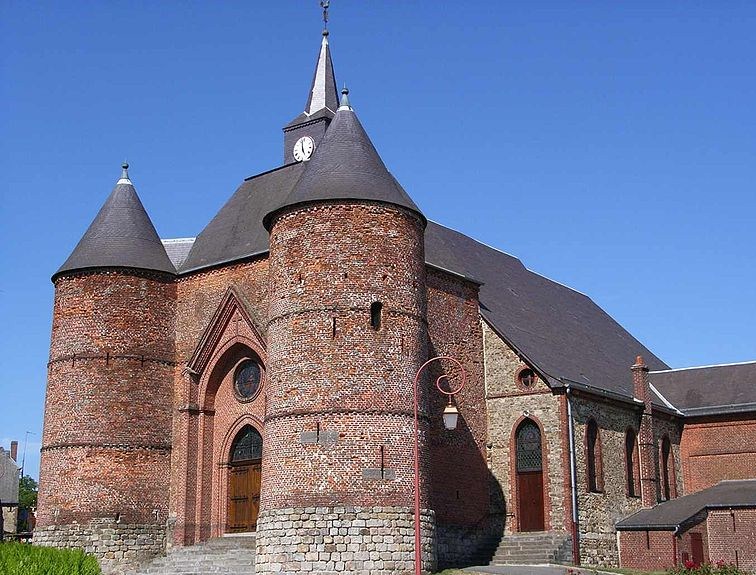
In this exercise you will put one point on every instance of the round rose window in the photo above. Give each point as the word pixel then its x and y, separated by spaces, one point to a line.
pixel 247 379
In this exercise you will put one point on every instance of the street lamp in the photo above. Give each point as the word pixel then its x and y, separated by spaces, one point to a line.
pixel 450 417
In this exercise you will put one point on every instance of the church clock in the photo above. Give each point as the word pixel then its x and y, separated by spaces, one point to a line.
pixel 303 149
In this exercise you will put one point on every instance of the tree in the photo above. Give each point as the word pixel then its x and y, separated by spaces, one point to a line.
pixel 27 498
pixel 27 492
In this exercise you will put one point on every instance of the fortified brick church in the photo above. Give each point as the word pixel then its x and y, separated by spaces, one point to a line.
pixel 258 378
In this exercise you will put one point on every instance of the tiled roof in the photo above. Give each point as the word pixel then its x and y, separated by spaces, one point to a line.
pixel 346 166
pixel 121 235
pixel 561 331
pixel 236 231
pixel 178 249
pixel 709 390
pixel 690 509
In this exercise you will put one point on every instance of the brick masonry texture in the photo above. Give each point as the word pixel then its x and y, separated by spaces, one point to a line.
pixel 646 550
pixel 718 448
pixel 357 540
pixel 118 546
pixel 730 536
pixel 141 411
pixel 460 479
pixel 207 414
pixel 106 441
pixel 331 369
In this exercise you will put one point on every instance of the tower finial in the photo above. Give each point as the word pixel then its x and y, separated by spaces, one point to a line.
pixel 324 4
pixel 124 173
pixel 344 105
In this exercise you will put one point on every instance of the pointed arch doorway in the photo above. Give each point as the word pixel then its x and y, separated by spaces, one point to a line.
pixel 529 469
pixel 244 481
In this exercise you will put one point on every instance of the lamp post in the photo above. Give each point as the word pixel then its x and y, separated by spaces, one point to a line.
pixel 450 417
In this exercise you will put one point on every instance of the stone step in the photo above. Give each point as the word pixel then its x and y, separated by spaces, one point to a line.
pixel 531 548
pixel 220 556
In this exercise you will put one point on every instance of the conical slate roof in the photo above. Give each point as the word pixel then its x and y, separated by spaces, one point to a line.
pixel 121 235
pixel 346 166
pixel 324 98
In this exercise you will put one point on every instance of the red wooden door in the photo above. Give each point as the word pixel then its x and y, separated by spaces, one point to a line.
pixel 696 548
pixel 243 497
pixel 530 500
pixel 529 477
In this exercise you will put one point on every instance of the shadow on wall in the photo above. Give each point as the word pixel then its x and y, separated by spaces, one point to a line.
pixel 468 500
pixel 470 520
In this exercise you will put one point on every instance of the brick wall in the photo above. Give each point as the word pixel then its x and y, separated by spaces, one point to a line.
pixel 339 389
pixel 460 479
pixel 731 535
pixel 718 448
pixel 106 441
pixel 646 550
pixel 220 322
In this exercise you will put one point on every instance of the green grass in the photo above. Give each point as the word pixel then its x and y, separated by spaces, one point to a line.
pixel 25 559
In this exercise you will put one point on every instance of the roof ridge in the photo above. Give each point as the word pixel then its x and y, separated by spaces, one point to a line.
pixel 494 248
pixel 749 362
pixel 266 172
pixel 177 240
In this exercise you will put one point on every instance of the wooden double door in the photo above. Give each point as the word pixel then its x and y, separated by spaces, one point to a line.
pixel 243 496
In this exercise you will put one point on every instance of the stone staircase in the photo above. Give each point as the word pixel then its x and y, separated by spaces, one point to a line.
pixel 534 548
pixel 234 555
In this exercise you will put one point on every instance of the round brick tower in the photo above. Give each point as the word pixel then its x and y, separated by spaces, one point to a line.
pixel 346 335
pixel 106 442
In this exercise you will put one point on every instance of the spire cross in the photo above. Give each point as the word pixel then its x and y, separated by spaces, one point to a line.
pixel 324 4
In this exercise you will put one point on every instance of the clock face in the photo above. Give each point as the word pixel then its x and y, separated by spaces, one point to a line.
pixel 303 149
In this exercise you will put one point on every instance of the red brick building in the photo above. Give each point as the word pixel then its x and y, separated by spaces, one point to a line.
pixel 259 378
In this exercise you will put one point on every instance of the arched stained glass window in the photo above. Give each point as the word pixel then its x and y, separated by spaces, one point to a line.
pixel 247 445
pixel 529 457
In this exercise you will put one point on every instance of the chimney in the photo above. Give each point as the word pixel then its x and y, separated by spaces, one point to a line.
pixel 14 450
pixel 646 451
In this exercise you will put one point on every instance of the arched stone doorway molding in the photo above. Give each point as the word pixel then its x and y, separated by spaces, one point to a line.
pixel 214 415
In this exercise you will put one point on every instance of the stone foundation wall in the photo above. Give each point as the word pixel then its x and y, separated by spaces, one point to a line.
pixel 356 540
pixel 117 547
pixel 465 546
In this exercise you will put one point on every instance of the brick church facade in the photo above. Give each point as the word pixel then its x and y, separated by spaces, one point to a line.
pixel 259 378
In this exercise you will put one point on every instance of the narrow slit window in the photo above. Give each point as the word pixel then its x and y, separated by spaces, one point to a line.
pixel 375 315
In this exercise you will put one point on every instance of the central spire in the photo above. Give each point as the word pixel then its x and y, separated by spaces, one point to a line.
pixel 323 94
pixel 308 128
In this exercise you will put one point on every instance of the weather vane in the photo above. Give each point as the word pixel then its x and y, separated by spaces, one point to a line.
pixel 324 4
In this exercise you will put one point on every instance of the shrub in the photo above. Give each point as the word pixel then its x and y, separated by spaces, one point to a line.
pixel 25 559
pixel 719 568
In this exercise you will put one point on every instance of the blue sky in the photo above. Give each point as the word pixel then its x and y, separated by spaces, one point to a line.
pixel 610 146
